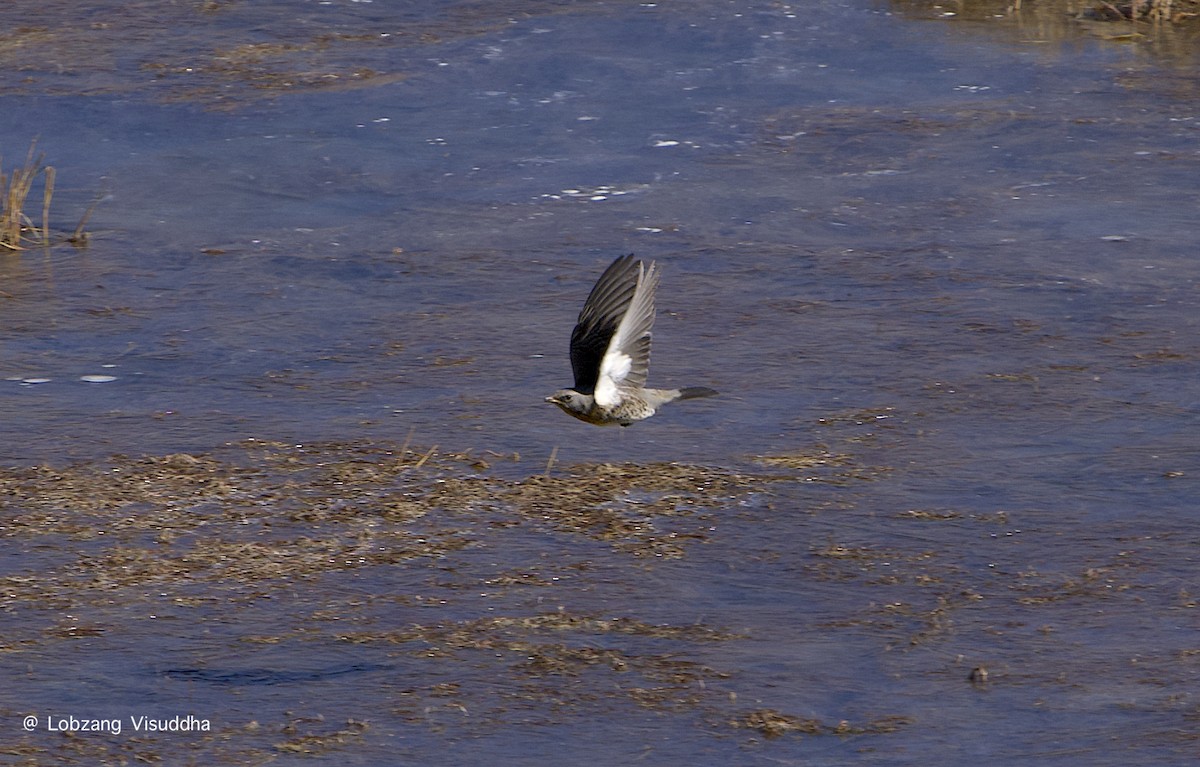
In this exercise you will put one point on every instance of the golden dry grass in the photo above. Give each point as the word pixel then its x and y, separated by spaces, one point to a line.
pixel 17 229
pixel 1155 11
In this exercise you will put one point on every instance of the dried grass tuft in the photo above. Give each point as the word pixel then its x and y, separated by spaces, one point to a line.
pixel 17 230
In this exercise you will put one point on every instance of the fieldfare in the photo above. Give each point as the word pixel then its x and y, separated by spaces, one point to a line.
pixel 610 350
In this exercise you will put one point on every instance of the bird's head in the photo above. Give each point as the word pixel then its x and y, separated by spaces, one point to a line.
pixel 571 401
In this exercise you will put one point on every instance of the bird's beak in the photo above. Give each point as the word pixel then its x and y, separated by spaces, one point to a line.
pixel 551 400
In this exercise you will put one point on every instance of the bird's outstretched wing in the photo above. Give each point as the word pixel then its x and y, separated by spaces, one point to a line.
pixel 602 313
pixel 627 360
pixel 610 347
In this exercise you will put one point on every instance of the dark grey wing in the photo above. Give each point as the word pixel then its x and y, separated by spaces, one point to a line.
pixel 601 316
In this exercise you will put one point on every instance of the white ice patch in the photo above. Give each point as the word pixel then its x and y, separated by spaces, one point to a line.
pixel 592 194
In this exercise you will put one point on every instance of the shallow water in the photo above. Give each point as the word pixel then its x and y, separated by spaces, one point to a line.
pixel 943 273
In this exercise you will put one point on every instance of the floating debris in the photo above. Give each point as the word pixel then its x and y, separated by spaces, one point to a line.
pixel 592 194
pixel 670 142
pixel 97 379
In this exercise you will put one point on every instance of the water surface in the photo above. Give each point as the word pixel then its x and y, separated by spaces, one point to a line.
pixel 943 273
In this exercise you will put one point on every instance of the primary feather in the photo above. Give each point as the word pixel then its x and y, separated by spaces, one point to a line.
pixel 599 319
pixel 610 350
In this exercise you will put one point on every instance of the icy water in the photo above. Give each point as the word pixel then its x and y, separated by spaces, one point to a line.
pixel 941 264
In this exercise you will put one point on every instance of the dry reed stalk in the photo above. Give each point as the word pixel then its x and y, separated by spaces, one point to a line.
pixel 79 238
pixel 426 457
pixel 47 193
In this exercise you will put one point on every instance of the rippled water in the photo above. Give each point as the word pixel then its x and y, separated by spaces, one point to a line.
pixel 943 273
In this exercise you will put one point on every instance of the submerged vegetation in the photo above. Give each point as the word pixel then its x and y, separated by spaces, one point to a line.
pixel 470 600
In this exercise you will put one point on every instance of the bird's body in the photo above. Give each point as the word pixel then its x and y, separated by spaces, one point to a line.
pixel 610 351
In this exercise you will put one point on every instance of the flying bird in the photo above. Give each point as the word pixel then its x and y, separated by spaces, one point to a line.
pixel 610 350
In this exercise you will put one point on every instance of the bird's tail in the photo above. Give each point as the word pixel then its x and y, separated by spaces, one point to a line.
pixel 692 392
